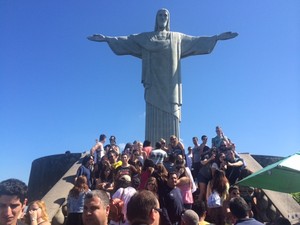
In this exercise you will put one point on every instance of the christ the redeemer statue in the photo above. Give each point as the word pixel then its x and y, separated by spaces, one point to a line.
pixel 161 52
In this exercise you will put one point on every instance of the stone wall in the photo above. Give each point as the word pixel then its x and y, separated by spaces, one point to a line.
pixel 265 160
pixel 47 171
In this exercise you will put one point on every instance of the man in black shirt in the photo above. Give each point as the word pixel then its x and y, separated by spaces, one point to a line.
pixel 171 201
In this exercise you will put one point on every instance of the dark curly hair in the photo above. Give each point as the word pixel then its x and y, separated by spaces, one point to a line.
pixel 14 187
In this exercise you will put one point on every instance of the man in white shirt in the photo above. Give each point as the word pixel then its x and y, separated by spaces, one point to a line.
pixel 158 155
pixel 124 192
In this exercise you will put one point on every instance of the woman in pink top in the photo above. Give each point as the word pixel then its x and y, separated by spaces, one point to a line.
pixel 184 183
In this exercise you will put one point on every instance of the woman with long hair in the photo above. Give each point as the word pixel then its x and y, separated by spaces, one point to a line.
pixel 37 213
pixel 106 178
pixel 152 186
pixel 217 193
pixel 147 170
pixel 220 163
pixel 75 201
pixel 161 174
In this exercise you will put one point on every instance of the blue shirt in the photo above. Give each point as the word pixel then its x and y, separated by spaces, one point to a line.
pixel 75 204
pixel 83 171
pixel 249 221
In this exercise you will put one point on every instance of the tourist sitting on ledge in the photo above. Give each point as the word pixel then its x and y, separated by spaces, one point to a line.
pixel 175 147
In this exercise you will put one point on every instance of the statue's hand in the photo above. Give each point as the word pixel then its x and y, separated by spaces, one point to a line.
pixel 97 37
pixel 227 35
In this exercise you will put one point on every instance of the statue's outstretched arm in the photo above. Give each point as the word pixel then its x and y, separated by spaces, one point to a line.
pixel 227 35
pixel 98 37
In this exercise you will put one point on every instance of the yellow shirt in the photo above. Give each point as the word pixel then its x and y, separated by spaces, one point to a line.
pixel 204 223
pixel 117 164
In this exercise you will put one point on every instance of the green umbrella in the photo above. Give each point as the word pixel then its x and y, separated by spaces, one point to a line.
pixel 282 176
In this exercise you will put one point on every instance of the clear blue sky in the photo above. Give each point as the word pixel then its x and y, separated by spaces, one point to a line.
pixel 59 91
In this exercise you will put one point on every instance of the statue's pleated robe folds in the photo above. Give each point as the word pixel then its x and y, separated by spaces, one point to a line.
pixel 161 74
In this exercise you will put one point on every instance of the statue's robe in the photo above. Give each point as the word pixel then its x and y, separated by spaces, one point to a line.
pixel 161 74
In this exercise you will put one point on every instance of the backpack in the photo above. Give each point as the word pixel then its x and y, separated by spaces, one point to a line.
pixel 115 212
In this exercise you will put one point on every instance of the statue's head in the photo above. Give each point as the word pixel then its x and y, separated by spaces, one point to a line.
pixel 162 20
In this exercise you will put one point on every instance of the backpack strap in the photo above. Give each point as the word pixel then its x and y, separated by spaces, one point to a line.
pixel 122 220
pixel 122 194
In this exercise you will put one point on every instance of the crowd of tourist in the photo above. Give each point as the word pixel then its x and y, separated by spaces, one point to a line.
pixel 180 180
pixel 160 185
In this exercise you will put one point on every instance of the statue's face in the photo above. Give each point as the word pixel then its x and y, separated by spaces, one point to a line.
pixel 162 19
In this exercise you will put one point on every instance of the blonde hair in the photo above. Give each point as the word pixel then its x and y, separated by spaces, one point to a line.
pixel 41 204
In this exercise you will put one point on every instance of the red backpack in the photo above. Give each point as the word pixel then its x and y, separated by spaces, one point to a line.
pixel 115 212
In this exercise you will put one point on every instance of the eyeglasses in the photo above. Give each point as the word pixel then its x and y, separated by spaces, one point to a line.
pixel 150 184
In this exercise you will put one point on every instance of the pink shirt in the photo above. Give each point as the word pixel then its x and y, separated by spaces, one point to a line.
pixel 186 193
pixel 148 150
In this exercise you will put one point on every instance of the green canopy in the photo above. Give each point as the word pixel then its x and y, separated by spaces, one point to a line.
pixel 282 176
